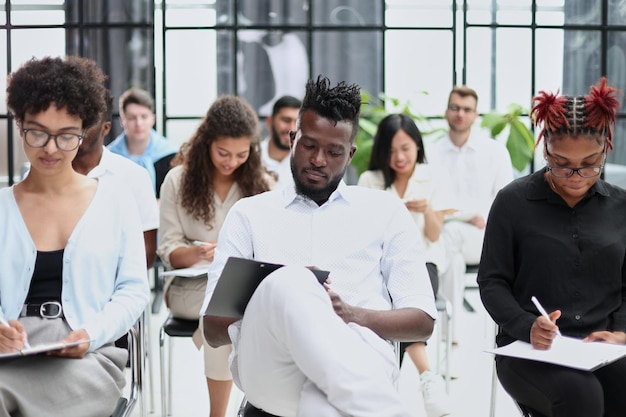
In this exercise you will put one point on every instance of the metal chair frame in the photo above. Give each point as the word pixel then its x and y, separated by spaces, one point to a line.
pixel 172 327
pixel 125 406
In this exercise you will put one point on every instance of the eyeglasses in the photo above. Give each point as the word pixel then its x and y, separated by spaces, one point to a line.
pixel 457 109
pixel 585 172
pixel 64 141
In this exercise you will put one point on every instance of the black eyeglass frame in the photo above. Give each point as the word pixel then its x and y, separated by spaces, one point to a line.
pixel 51 136
pixel 551 168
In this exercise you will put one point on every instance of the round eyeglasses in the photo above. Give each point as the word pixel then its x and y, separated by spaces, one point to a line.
pixel 64 141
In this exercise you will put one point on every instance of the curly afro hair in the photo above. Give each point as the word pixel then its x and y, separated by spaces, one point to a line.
pixel 72 83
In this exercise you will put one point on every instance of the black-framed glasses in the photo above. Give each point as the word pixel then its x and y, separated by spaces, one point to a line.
pixel 64 141
pixel 585 172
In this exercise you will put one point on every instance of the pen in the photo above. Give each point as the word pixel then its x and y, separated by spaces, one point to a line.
pixel 542 311
pixel 199 243
pixel 6 323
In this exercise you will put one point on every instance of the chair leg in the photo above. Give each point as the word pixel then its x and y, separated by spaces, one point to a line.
pixel 163 372
pixel 169 376
pixel 448 347
pixel 148 355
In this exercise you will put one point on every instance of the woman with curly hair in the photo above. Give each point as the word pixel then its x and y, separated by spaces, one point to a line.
pixel 73 260
pixel 220 164
pixel 560 234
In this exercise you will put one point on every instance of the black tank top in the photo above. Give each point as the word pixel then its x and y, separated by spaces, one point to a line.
pixel 46 282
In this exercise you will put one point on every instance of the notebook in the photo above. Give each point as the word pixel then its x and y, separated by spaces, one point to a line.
pixel 566 351
pixel 238 281
pixel 43 348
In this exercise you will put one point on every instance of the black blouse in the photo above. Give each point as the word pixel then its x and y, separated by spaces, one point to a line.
pixel 571 259
pixel 47 275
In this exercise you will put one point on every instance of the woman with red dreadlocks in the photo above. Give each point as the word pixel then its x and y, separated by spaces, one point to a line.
pixel 560 234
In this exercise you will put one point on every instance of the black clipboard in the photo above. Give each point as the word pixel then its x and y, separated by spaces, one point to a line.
pixel 238 281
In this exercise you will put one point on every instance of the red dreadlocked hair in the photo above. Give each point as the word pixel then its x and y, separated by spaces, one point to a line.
pixel 591 114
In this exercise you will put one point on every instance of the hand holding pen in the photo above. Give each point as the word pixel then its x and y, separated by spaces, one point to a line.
pixel 544 330
pixel 206 250
pixel 12 336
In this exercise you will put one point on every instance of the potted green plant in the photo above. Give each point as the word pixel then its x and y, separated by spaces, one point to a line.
pixel 520 141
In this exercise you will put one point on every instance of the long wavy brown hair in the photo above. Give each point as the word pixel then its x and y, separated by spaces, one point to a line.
pixel 228 116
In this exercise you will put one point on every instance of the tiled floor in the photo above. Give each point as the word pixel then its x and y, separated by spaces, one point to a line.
pixel 470 388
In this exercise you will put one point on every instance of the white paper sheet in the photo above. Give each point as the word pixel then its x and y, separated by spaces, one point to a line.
pixel 566 351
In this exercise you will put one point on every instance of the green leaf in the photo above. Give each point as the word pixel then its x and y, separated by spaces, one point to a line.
pixel 361 158
pixel 520 144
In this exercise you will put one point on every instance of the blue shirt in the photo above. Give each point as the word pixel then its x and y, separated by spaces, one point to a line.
pixel 157 148
pixel 105 288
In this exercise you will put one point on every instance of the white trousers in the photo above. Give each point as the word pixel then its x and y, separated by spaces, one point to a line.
pixel 464 244
pixel 293 356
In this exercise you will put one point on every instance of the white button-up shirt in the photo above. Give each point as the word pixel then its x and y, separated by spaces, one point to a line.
pixel 365 238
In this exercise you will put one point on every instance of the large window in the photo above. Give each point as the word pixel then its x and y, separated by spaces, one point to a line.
pixel 187 52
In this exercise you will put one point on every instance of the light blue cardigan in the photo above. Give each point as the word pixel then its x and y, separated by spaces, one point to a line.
pixel 105 288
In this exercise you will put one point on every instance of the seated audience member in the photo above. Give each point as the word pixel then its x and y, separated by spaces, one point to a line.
pixel 96 161
pixel 140 142
pixel 73 264
pixel 398 164
pixel 477 167
pixel 303 348
pixel 560 234
pixel 275 148
pixel 220 164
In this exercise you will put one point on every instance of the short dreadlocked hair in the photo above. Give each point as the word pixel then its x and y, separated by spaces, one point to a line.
pixel 339 103
pixel 593 114
pixel 73 83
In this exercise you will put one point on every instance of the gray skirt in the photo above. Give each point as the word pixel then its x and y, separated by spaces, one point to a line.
pixel 36 386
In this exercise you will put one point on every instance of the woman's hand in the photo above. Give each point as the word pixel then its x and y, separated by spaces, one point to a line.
pixel 206 250
pixel 543 331
pixel 12 337
pixel 419 206
pixel 606 336
pixel 76 352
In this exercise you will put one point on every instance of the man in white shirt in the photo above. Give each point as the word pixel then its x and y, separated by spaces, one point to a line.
pixel 477 167
pixel 310 350
pixel 96 161
pixel 275 148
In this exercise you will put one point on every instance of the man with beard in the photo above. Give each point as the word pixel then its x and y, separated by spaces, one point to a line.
pixel 275 149
pixel 478 167
pixel 96 161
pixel 302 348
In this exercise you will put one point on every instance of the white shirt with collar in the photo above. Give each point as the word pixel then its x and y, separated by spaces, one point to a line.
pixel 365 238
pixel 137 179
pixel 477 170
pixel 282 168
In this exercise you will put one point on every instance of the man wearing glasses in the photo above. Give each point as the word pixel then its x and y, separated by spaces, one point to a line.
pixel 478 167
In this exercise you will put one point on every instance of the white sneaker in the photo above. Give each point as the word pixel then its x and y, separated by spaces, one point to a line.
pixel 436 401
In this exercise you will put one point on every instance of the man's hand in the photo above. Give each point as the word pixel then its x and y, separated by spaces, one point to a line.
pixel 606 336
pixel 12 337
pixel 543 331
pixel 348 313
pixel 76 352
